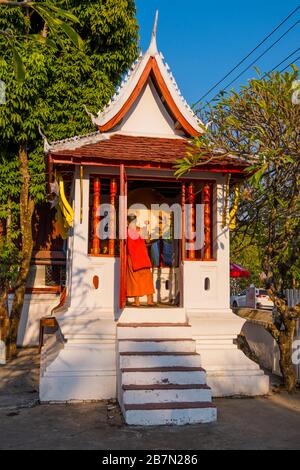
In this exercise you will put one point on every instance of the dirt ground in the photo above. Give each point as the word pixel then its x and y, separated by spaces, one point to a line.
pixel 271 422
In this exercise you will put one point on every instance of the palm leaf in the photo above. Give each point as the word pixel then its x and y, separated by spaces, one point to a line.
pixel 18 63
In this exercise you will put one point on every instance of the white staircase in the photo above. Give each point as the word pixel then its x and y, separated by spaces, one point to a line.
pixel 160 378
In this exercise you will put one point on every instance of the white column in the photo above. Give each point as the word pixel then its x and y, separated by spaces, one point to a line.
pixel 80 284
pixel 221 244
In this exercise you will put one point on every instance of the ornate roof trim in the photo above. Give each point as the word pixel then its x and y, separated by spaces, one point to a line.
pixel 150 62
pixel 76 142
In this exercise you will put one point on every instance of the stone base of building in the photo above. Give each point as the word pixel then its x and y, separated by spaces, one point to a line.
pixel 229 371
pixel 81 362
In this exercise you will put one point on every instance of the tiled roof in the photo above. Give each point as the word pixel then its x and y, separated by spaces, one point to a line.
pixel 142 149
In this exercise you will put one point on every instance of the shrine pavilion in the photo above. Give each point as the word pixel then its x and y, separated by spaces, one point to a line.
pixel 164 364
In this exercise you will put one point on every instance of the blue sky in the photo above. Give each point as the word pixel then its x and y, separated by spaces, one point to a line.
pixel 203 40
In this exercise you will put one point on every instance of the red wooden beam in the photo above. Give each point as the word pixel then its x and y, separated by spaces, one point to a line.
pixel 183 189
pixel 112 219
pixel 123 235
pixel 96 216
pixel 191 228
pixel 99 162
pixel 170 102
pixel 207 201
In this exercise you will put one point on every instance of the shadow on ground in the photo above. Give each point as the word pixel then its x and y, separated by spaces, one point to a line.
pixel 19 380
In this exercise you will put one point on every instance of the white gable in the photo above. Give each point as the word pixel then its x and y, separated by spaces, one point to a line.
pixel 108 117
pixel 148 116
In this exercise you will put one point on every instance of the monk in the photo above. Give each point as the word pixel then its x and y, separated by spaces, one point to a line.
pixel 139 277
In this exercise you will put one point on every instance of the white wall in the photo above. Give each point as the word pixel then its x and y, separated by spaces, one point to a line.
pixel 35 307
pixel 148 116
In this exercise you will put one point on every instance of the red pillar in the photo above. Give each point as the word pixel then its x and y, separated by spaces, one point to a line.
pixel 112 219
pixel 161 241
pixel 123 235
pixel 96 216
pixel 183 221
pixel 191 228
pixel 207 201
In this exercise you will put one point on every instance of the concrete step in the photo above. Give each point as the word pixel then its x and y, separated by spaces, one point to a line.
pixel 153 315
pixel 162 381
pixel 213 372
pixel 163 375
pixel 139 394
pixel 156 414
pixel 158 345
pixel 159 359
pixel 153 330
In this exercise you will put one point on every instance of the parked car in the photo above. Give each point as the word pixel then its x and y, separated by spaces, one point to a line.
pixel 261 299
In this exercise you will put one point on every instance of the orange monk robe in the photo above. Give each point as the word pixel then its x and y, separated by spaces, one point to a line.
pixel 139 277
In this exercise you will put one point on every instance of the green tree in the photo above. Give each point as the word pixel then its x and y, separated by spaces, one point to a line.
pixel 54 19
pixel 261 126
pixel 9 233
pixel 246 253
pixel 59 79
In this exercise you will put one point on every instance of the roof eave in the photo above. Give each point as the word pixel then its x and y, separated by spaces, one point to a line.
pixel 111 117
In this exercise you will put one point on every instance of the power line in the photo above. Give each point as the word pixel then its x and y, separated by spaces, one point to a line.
pixel 276 66
pixel 294 61
pixel 248 55
pixel 262 54
pixel 257 58
pixel 280 63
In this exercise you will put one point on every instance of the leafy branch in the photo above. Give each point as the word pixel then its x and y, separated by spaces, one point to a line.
pixel 57 21
pixel 261 126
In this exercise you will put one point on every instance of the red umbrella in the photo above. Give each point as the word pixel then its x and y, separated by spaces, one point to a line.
pixel 238 271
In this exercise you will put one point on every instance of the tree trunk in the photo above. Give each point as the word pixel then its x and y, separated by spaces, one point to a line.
pixel 283 332
pixel 26 213
pixel 3 311
pixel 285 343
pixel 3 302
pixel 3 292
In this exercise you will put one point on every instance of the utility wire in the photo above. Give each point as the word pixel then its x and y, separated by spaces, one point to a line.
pixel 257 58
pixel 294 61
pixel 276 66
pixel 262 54
pixel 248 55
pixel 280 63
